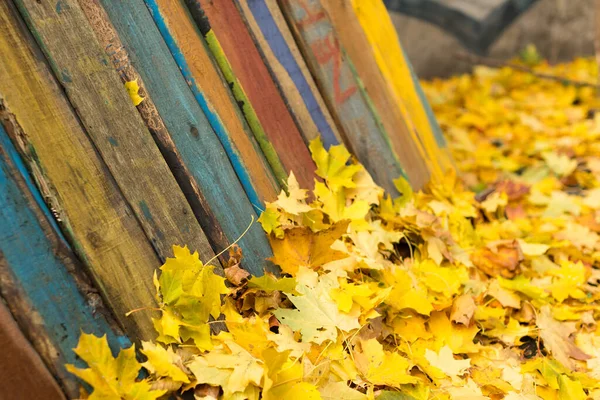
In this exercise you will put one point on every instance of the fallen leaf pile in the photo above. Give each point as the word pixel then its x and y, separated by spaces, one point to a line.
pixel 484 286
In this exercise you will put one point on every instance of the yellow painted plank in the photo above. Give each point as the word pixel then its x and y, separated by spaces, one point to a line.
pixel 75 181
pixel 114 125
pixel 391 59
pixel 402 133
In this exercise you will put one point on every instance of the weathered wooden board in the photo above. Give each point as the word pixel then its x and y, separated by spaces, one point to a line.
pixel 249 68
pixel 284 60
pixel 190 130
pixel 23 375
pixel 396 69
pixel 342 91
pixel 203 25
pixel 477 24
pixel 403 136
pixel 110 41
pixel 213 95
pixel 41 280
pixel 114 125
pixel 74 180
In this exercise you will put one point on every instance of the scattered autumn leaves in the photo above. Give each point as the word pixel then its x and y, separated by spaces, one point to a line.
pixel 483 287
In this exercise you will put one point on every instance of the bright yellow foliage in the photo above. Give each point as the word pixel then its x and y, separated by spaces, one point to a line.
pixel 483 286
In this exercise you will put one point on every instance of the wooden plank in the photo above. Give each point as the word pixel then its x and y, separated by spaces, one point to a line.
pixel 203 25
pixel 23 376
pixel 249 68
pixel 116 51
pixel 396 69
pixel 190 130
pixel 114 125
pixel 284 60
pixel 342 90
pixel 73 179
pixel 402 133
pixel 213 95
pixel 41 279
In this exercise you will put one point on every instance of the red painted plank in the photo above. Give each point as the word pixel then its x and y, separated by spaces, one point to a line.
pixel 254 76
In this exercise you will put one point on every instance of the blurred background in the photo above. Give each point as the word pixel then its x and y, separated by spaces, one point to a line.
pixel 560 30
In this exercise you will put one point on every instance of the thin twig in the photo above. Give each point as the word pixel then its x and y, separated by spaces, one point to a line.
pixel 492 62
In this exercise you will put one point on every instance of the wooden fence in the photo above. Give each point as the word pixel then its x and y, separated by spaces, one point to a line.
pixel 129 126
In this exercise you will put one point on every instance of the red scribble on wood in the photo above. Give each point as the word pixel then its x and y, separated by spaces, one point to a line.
pixel 311 16
pixel 328 49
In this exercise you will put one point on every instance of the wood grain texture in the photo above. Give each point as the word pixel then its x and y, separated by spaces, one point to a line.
pixel 23 375
pixel 213 95
pixel 396 69
pixel 115 50
pixel 402 134
pixel 203 25
pixel 343 92
pixel 41 280
pixel 192 134
pixel 114 125
pixel 288 68
pixel 249 68
pixel 73 178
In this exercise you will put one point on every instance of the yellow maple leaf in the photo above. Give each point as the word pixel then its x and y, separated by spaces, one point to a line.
pixel 406 293
pixel 316 316
pixel 556 338
pixel 232 368
pixel 444 360
pixel 568 281
pixel 459 338
pixel 302 247
pixel 270 221
pixel 336 206
pixel 163 362
pixel 111 378
pixel 293 202
pixel 380 367
pixel 333 165
pixel 133 91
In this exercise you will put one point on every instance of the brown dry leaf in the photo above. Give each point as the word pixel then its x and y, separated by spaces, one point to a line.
pixel 236 275
pixel 233 272
pixel 302 247
pixel 499 258
pixel 463 309
pixel 207 392
pixel 515 211
pixel 556 337
pixel 514 190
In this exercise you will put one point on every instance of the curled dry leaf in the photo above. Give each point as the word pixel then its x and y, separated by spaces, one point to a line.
pixel 499 259
pixel 463 309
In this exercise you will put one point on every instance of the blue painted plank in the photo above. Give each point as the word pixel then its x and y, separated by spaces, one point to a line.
pixel 190 129
pixel 343 91
pixel 270 31
pixel 213 117
pixel 35 265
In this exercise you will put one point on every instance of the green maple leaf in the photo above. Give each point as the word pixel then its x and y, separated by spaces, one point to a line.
pixel 270 283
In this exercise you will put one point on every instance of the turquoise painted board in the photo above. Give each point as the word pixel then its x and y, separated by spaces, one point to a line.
pixel 40 278
pixel 190 130
pixel 168 25
pixel 342 90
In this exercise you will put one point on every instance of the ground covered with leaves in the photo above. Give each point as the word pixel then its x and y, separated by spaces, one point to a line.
pixel 484 286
